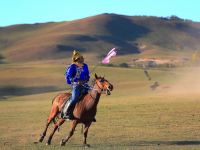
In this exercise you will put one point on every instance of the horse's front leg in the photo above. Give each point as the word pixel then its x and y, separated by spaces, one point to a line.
pixel 85 135
pixel 71 132
pixel 58 123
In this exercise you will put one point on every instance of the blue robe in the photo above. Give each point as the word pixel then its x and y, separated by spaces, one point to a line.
pixel 74 73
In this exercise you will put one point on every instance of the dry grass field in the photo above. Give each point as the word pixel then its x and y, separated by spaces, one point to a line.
pixel 133 117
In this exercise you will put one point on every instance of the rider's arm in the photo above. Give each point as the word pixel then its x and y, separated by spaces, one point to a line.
pixel 87 74
pixel 70 73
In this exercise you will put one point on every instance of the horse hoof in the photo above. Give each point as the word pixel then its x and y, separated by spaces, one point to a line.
pixel 48 143
pixel 36 142
pixel 62 143
pixel 86 145
pixel 41 139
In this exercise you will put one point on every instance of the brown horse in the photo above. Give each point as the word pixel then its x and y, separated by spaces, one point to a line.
pixel 84 111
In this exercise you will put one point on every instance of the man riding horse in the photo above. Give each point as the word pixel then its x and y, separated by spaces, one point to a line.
pixel 77 76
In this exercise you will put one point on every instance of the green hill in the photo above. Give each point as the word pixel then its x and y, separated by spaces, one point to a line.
pixel 95 35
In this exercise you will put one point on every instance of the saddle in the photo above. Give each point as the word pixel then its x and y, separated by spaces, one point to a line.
pixel 64 108
pixel 66 104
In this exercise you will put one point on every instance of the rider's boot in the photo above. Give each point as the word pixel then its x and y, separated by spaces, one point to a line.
pixel 68 114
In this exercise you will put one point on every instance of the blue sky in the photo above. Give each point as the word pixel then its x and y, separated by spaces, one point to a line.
pixel 39 11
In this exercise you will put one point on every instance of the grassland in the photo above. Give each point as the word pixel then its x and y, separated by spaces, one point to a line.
pixel 133 117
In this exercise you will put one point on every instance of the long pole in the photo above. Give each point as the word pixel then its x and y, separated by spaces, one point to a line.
pixel 95 67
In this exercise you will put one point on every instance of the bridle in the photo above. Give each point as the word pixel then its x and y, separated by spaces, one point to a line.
pixel 103 90
pixel 99 86
pixel 107 91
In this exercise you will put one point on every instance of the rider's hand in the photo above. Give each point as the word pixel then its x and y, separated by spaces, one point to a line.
pixel 81 82
pixel 71 80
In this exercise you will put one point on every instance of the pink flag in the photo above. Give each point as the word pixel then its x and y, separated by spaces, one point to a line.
pixel 110 54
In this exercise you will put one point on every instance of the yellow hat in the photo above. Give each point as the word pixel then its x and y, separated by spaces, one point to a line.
pixel 76 55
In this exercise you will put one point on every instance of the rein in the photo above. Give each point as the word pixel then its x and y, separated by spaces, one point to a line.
pixel 96 90
pixel 92 88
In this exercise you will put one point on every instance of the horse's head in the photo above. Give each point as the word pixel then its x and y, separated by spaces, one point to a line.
pixel 103 84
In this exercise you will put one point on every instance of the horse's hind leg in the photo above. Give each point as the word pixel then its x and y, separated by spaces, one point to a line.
pixel 58 123
pixel 44 133
pixel 85 135
pixel 53 113
pixel 71 132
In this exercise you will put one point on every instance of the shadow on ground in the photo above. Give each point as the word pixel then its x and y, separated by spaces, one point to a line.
pixel 148 143
pixel 20 91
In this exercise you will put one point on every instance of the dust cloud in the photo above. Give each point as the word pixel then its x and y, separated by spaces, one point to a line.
pixel 185 82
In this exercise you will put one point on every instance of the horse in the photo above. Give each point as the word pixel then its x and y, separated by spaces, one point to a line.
pixel 84 111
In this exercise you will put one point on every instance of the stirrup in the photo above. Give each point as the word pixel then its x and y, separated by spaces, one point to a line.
pixel 71 117
pixel 68 117
pixel 94 120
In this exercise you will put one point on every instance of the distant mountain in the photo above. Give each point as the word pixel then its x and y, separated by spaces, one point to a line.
pixel 96 35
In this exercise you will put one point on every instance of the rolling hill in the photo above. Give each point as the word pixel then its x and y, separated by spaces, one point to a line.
pixel 133 35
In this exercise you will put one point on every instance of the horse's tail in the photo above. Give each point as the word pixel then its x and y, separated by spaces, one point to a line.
pixel 54 110
pixel 53 100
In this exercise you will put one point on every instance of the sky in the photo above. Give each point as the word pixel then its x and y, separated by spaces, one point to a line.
pixel 40 11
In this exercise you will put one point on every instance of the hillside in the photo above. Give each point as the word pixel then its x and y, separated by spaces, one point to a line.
pixel 96 35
